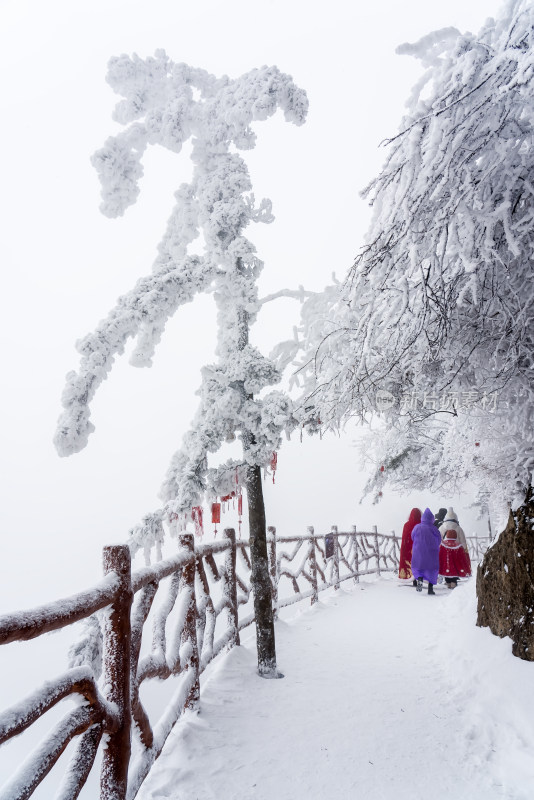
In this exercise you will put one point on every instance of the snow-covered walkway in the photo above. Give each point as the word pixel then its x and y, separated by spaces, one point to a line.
pixel 387 693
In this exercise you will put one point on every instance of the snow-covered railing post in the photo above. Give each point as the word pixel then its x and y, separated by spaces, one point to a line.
pixel 477 546
pixel 312 558
pixel 189 633
pixel 230 588
pixel 335 558
pixel 377 548
pixel 117 643
pixel 273 567
pixel 356 560
pixel 396 547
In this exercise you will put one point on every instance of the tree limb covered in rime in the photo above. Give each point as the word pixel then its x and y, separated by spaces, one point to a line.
pixel 166 103
pixel 440 299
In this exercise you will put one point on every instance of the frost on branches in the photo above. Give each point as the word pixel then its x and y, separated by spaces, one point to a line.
pixel 438 308
pixel 166 103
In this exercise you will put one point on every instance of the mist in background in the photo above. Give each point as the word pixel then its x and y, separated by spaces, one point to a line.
pixel 64 264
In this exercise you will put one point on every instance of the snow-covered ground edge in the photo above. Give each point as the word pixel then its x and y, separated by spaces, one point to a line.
pixel 493 692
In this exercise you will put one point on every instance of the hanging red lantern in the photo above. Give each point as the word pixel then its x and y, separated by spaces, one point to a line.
pixel 196 516
pixel 239 511
pixel 215 514
pixel 174 522
pixel 381 469
pixel 239 495
pixel 226 499
pixel 274 462
pixel 477 444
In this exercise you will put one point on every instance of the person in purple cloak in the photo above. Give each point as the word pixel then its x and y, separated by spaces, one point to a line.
pixel 425 553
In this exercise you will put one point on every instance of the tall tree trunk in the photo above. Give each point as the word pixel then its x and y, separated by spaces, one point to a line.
pixel 261 582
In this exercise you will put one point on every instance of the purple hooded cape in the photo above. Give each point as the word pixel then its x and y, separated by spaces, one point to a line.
pixel 425 554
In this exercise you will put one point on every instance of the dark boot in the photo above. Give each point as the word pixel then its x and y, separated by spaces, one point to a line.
pixel 414 582
pixel 419 586
pixel 431 588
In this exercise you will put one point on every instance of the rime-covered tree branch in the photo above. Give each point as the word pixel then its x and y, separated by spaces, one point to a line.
pixel 439 302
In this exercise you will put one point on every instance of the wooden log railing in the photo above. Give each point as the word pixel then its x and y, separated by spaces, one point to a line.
pixel 323 561
pixel 477 546
pixel 195 603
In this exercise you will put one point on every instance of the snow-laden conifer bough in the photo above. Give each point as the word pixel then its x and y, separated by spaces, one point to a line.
pixel 166 103
pixel 438 308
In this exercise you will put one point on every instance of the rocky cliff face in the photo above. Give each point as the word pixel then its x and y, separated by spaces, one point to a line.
pixel 505 586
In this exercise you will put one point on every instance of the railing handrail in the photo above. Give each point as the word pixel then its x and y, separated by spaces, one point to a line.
pixel 298 538
pixel 29 624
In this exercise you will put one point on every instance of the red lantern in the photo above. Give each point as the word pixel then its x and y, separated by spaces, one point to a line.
pixel 274 462
pixel 381 469
pixel 215 514
pixel 226 499
pixel 196 516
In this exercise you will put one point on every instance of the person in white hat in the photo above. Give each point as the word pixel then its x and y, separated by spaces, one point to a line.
pixel 451 531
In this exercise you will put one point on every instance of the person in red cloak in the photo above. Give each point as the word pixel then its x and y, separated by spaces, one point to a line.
pixel 454 561
pixel 405 558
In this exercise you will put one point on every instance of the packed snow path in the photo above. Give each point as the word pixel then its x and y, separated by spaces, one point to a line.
pixel 388 693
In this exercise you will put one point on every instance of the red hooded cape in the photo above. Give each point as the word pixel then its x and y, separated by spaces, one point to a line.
pixel 405 559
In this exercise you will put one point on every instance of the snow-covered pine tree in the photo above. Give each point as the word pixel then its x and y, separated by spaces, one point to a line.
pixel 166 103
pixel 438 307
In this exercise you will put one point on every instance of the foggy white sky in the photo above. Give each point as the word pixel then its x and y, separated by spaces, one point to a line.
pixel 64 265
